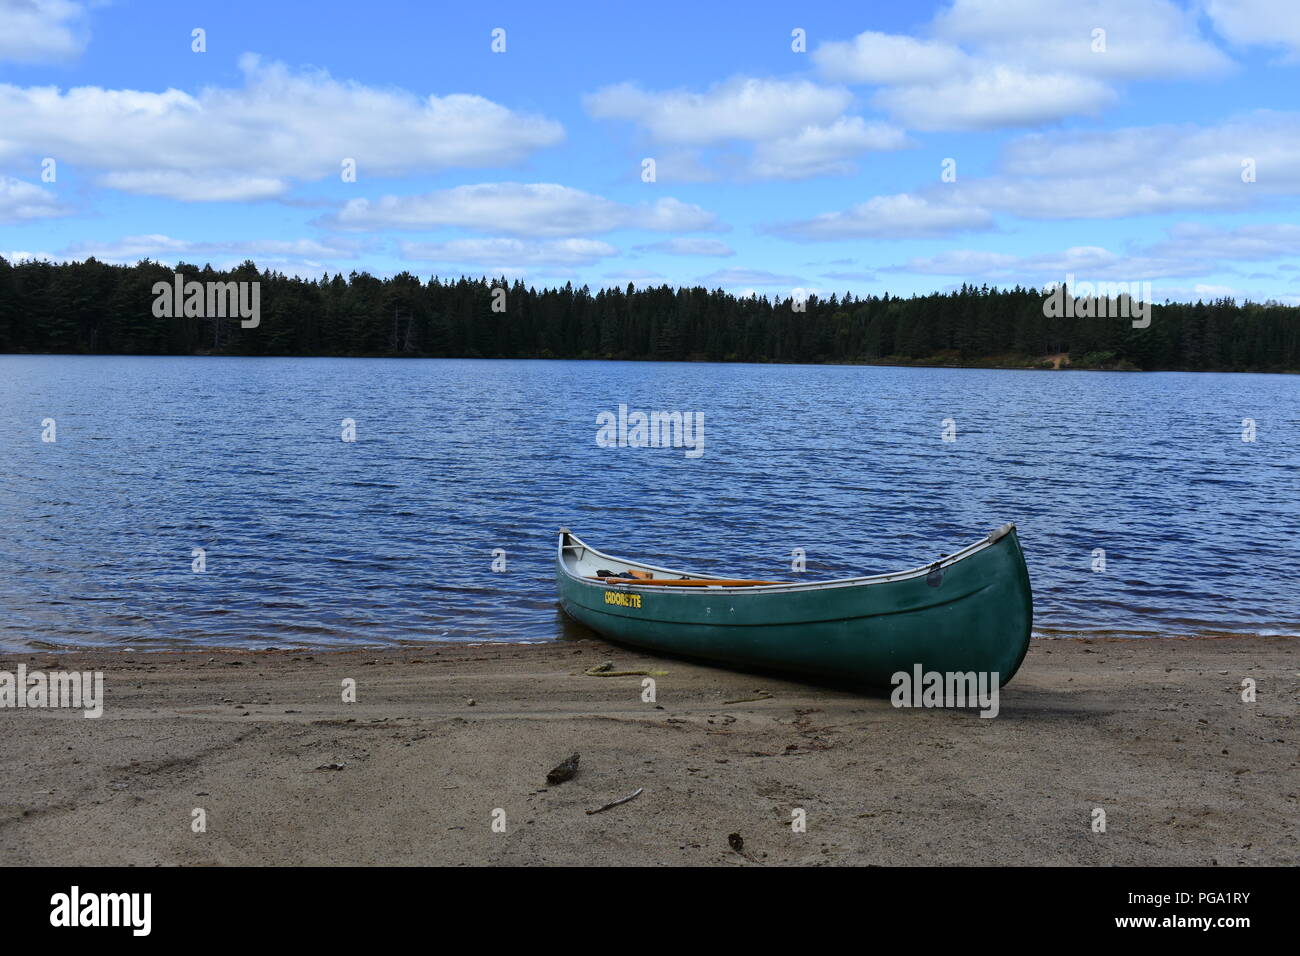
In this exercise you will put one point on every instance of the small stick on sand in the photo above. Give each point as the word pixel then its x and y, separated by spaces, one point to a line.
pixel 607 670
pixel 762 695
pixel 610 806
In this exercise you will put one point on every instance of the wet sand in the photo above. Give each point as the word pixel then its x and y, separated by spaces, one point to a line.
pixel 1153 732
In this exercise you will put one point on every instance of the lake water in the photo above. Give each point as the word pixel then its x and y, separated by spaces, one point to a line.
pixel 313 541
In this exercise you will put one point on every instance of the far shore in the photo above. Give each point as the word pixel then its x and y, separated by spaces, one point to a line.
pixel 1026 365
pixel 444 740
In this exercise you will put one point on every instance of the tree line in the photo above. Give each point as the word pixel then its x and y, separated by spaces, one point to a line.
pixel 93 307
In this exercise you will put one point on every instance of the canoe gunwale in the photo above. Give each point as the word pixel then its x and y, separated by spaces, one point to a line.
pixel 640 587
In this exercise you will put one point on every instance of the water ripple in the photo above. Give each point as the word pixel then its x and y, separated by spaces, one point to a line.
pixel 311 541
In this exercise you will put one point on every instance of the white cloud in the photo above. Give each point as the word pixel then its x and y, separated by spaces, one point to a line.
pixel 1251 242
pixel 1090 263
pixel 796 128
pixel 742 108
pixel 131 249
pixel 850 275
pixel 672 215
pixel 1215 291
pixel 1190 250
pixel 634 274
pixel 886 58
pixel 1142 170
pixel 824 150
pixel 994 97
pixel 690 247
pixel 256 141
pixel 902 216
pixel 193 187
pixel 1020 63
pixel 1258 22
pixel 748 277
pixel 680 166
pixel 511 252
pixel 521 209
pixel 297 257
pixel 962 262
pixel 1110 174
pixel 21 201
pixel 38 31
pixel 1205 292
pixel 1143 38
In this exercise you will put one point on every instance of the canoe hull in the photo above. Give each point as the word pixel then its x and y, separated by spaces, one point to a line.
pixel 974 614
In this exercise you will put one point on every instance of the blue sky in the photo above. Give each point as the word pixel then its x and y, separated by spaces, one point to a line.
pixel 1112 156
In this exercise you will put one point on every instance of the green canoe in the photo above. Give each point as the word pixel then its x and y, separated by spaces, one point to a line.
pixel 970 611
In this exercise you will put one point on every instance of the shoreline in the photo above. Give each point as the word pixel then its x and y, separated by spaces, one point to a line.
pixel 441 736
pixel 1038 634
pixel 643 361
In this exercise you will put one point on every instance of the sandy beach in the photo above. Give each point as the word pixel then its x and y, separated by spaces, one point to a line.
pixel 445 740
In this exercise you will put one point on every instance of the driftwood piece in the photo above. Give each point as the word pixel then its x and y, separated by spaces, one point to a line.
pixel 607 670
pixel 609 806
pixel 761 695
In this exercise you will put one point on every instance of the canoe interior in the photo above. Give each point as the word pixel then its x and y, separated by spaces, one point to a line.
pixel 584 562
